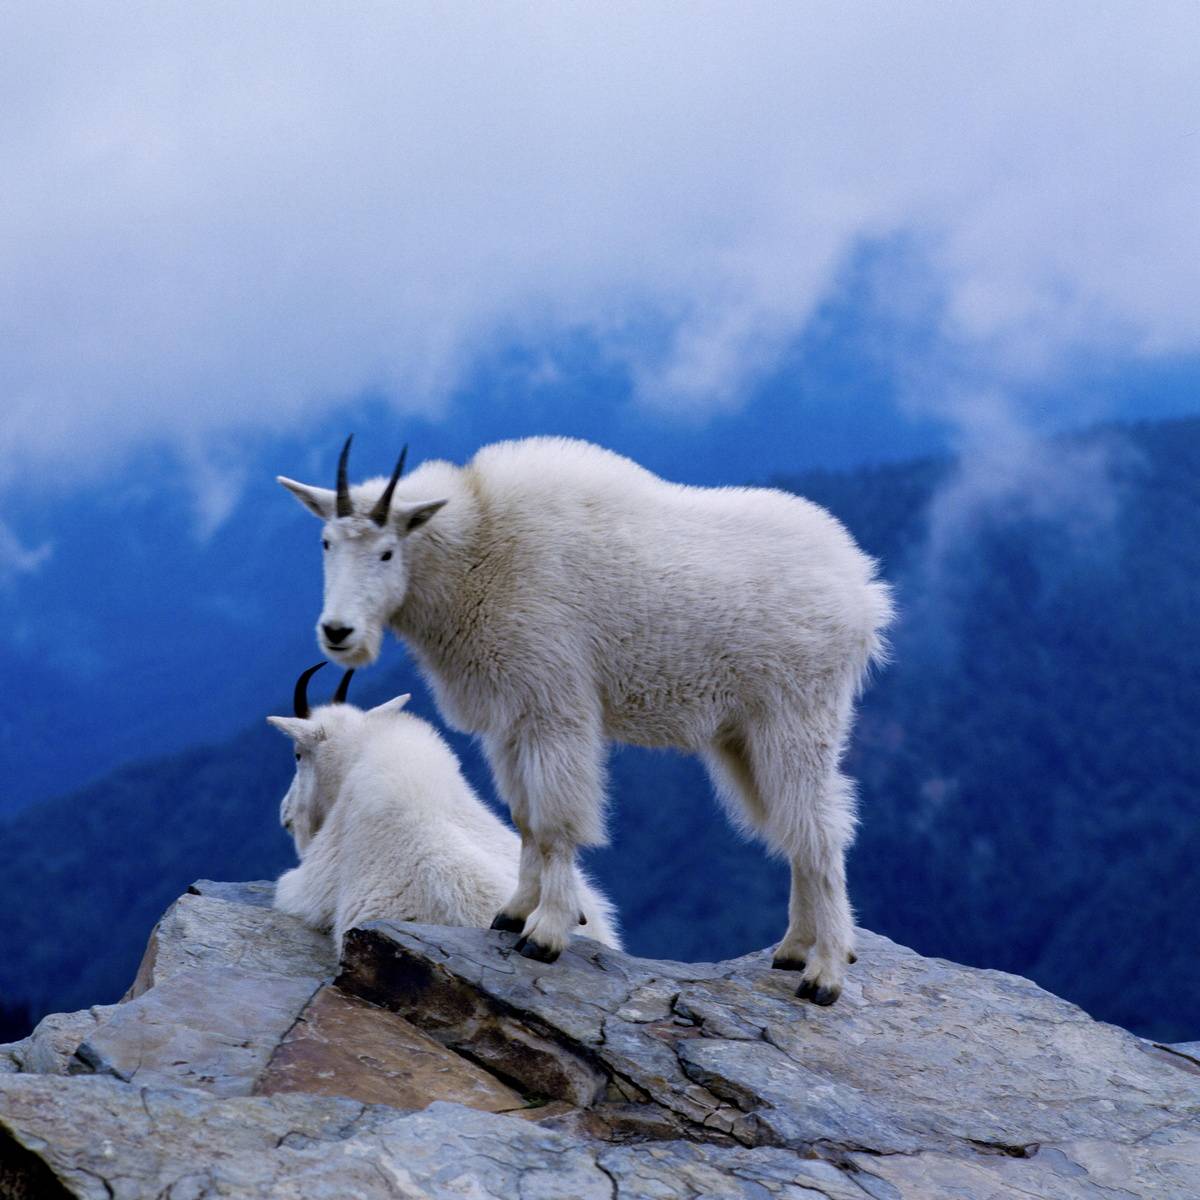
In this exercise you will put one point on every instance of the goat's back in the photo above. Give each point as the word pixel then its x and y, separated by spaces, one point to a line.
pixel 603 560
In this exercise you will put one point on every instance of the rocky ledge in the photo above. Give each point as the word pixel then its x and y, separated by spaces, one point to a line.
pixel 246 1062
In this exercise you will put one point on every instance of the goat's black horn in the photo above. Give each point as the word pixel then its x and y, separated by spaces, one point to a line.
pixel 344 507
pixel 300 695
pixel 339 697
pixel 379 514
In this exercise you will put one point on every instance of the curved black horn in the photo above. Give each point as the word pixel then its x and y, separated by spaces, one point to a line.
pixel 344 507
pixel 339 697
pixel 379 514
pixel 300 695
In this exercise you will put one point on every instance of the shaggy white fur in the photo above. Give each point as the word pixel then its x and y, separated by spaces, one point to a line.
pixel 387 828
pixel 557 595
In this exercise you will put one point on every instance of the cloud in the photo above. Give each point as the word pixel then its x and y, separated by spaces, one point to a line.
pixel 18 559
pixel 221 218
pixel 214 485
pixel 1006 476
pixel 1004 468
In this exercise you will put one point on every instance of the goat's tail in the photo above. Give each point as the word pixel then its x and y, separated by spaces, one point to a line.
pixel 881 613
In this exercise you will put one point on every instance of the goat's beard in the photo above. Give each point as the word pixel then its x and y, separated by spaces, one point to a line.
pixel 363 657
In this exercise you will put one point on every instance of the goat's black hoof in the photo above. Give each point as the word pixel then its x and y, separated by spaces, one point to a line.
pixel 787 963
pixel 528 948
pixel 508 924
pixel 823 996
pixel 852 958
pixel 582 919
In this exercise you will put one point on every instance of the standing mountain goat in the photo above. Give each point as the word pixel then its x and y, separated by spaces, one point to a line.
pixel 557 595
pixel 388 829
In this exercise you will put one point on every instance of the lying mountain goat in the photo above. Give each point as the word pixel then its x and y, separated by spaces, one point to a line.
pixel 388 829
pixel 565 596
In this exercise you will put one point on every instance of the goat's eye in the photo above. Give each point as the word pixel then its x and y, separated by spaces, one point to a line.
pixel 324 543
pixel 386 556
pixel 297 755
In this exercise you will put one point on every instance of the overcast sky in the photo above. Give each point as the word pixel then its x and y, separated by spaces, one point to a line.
pixel 219 217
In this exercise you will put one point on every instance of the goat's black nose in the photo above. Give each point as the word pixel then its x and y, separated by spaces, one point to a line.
pixel 335 635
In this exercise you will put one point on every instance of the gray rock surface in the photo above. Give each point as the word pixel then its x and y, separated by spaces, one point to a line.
pixel 922 1063
pixel 231 925
pixel 49 1048
pixel 214 1029
pixel 1185 1050
pixel 105 1140
pixel 439 1063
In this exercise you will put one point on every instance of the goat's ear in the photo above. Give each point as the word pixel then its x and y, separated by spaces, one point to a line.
pixel 321 502
pixel 391 706
pixel 407 517
pixel 299 729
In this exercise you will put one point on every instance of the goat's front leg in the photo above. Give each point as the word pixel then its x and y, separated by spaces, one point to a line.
pixel 548 928
pixel 511 918
pixel 553 782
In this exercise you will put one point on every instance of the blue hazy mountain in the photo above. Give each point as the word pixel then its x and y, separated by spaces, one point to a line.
pixel 1028 764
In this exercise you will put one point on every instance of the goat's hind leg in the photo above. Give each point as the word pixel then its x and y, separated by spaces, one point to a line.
pixel 810 819
pixel 792 953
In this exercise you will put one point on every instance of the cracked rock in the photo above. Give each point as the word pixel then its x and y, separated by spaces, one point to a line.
pixel 342 1046
pixel 49 1048
pixel 231 925
pixel 440 1063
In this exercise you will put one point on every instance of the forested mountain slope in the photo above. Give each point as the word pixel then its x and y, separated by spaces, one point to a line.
pixel 1028 763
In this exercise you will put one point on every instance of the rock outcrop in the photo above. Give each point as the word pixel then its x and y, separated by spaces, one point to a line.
pixel 246 1062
